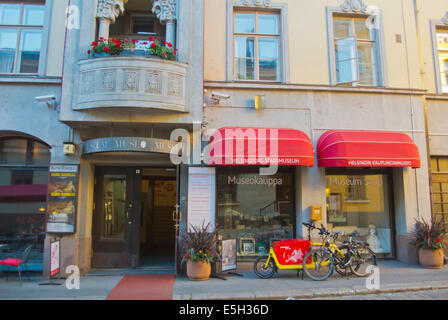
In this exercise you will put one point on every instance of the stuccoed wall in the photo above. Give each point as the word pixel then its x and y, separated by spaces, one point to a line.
pixel 316 111
pixel 307 43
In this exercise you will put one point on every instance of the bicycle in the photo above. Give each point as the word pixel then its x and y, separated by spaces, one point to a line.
pixel 353 257
pixel 289 254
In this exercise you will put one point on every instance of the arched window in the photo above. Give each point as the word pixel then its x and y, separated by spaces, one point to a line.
pixel 24 166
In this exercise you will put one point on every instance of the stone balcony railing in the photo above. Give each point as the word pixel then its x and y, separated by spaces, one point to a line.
pixel 131 82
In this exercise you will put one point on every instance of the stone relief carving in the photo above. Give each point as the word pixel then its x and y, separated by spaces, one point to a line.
pixel 445 19
pixel 165 10
pixel 130 81
pixel 108 81
pixel 110 9
pixel 355 6
pixel 257 3
pixel 153 82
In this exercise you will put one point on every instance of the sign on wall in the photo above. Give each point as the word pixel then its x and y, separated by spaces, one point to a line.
pixel 201 196
pixel 54 258
pixel 62 199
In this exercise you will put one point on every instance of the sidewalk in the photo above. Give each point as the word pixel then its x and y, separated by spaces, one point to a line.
pixel 394 277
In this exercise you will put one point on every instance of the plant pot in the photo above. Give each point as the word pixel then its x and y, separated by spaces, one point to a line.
pixel 431 259
pixel 100 55
pixel 198 270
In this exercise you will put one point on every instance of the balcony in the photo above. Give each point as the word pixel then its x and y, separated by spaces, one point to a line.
pixel 131 82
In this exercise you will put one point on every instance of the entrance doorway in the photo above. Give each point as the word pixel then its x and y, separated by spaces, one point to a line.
pixel 134 217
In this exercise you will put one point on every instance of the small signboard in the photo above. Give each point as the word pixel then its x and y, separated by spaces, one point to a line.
pixel 62 199
pixel 228 255
pixel 55 258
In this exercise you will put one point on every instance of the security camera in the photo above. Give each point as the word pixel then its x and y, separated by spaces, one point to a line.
pixel 46 98
pixel 220 96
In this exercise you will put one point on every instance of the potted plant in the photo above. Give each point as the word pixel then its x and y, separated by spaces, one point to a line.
pixel 200 246
pixel 106 47
pixel 429 239
pixel 165 51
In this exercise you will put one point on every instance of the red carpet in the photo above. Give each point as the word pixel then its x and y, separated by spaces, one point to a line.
pixel 144 287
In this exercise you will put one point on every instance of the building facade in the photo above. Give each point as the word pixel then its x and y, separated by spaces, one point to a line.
pixel 31 135
pixel 271 114
pixel 346 74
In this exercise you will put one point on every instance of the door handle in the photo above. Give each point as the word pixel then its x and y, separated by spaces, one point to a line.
pixel 127 218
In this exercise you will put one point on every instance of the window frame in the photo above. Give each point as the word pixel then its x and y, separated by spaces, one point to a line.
pixel 380 61
pixel 283 61
pixel 435 26
pixel 44 29
pixel 257 38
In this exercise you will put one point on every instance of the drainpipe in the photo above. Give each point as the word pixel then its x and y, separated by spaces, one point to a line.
pixel 425 104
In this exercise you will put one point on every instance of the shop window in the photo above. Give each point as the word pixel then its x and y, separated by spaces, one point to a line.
pixel 439 190
pixel 442 48
pixel 355 51
pixel 257 46
pixel 255 210
pixel 360 204
pixel 23 193
pixel 21 26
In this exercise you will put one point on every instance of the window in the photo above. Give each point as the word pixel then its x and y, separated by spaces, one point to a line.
pixel 255 210
pixel 442 47
pixel 360 203
pixel 23 195
pixel 256 46
pixel 20 37
pixel 137 26
pixel 355 51
pixel 439 190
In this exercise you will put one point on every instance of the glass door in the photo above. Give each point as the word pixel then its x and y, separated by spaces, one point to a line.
pixel 115 218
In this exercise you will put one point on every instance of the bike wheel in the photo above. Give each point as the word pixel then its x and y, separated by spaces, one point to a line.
pixel 261 270
pixel 321 264
pixel 363 259
pixel 340 260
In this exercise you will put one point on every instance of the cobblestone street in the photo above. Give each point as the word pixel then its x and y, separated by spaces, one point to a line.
pixel 413 295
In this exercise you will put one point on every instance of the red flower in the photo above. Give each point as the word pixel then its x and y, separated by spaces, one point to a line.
pixel 153 45
pixel 170 45
pixel 88 51
pixel 94 43
pixel 151 39
pixel 438 240
pixel 134 41
pixel 106 49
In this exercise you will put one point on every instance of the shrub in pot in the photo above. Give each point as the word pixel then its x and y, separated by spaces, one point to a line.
pixel 200 251
pixel 429 237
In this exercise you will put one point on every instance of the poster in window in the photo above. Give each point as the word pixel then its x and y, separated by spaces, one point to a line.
pixel 62 199
pixel 164 193
pixel 335 213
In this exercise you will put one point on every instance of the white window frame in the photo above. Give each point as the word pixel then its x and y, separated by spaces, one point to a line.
pixel 45 29
pixel 381 73
pixel 437 24
pixel 283 65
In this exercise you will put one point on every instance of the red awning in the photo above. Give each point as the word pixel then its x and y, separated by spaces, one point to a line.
pixel 358 148
pixel 23 190
pixel 259 146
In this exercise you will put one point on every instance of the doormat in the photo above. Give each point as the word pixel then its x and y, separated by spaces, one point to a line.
pixel 144 287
